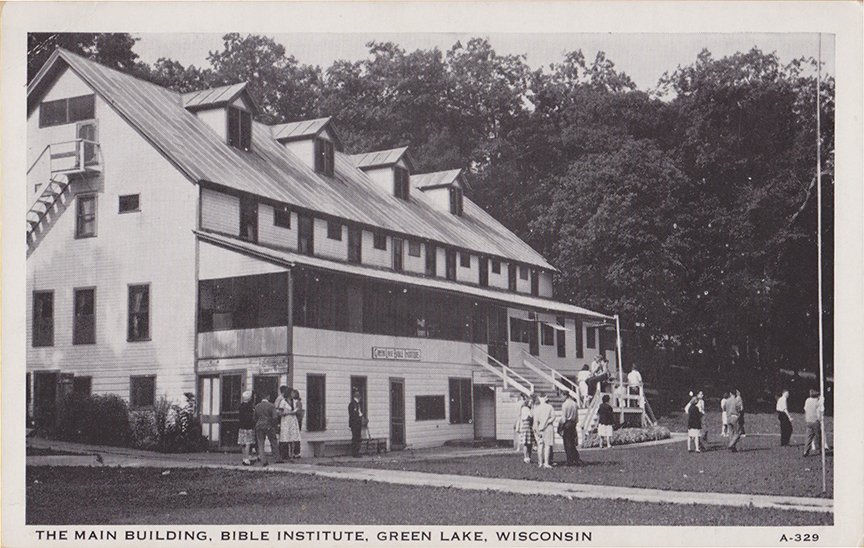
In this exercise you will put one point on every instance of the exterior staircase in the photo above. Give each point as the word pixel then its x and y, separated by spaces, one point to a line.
pixel 533 376
pixel 66 162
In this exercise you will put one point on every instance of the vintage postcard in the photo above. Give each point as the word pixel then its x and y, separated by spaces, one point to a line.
pixel 432 274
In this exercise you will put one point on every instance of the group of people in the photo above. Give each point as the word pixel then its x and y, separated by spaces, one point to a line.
pixel 278 422
pixel 535 425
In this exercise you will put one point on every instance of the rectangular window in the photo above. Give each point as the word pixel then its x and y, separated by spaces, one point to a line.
pixel 240 128
pixel 590 337
pixel 523 272
pixel 129 203
pixel 334 230
pixel 547 334
pixel 533 339
pixel 460 401
pixel 43 318
pixel 248 218
pixel 562 339
pixel 282 217
pixel 465 260
pixel 413 248
pixel 84 328
pixel 483 271
pixel 580 352
pixel 401 183
pixel 429 408
pixel 511 277
pixel 316 419
pixel 305 236
pixel 324 157
pixel 451 264
pixel 85 220
pixel 431 260
pixel 82 385
pixel 139 313
pixel 397 254
pixel 142 391
pixel 496 266
pixel 66 111
pixel 455 200
pixel 355 247
pixel 535 282
pixel 379 241
pixel 245 302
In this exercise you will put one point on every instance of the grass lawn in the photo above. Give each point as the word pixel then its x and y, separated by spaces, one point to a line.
pixel 760 467
pixel 207 496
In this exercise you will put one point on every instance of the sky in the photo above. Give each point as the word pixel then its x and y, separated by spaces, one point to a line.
pixel 643 57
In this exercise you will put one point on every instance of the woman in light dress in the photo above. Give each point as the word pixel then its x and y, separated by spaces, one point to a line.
pixel 526 428
pixel 289 428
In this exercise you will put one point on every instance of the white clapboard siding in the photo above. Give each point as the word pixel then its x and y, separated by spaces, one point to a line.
pixel 376 257
pixel 330 249
pixel 275 236
pixel 216 262
pixel 220 212
pixel 263 341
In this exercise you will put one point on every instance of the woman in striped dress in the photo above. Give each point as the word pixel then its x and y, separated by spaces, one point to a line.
pixel 526 428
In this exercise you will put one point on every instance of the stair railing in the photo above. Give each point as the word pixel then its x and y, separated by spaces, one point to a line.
pixel 507 375
pixel 587 423
pixel 551 375
pixel 47 200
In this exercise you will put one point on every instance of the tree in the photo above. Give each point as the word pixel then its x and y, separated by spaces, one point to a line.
pixel 113 50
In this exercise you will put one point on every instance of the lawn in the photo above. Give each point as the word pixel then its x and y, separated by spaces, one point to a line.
pixel 760 467
pixel 207 496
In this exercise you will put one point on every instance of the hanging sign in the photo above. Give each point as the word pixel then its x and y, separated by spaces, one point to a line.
pixel 408 354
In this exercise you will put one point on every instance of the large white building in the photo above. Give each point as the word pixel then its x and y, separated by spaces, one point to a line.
pixel 176 245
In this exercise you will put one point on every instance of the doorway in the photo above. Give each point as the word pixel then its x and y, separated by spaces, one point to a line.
pixel 45 398
pixel 397 414
pixel 484 412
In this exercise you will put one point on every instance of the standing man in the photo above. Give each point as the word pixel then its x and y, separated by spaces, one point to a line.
pixel 569 418
pixel 355 423
pixel 730 405
pixel 784 418
pixel 634 383
pixel 739 401
pixel 266 418
pixel 813 416
pixel 544 416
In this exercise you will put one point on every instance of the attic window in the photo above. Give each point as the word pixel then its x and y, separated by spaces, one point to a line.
pixel 401 183
pixel 324 157
pixel 66 111
pixel 455 200
pixel 240 128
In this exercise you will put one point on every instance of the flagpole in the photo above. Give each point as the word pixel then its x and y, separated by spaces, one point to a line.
pixel 819 255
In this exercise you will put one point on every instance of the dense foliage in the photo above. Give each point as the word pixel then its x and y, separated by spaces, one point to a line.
pixel 689 209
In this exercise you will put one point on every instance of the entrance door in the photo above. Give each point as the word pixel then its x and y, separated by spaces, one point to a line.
pixel 45 398
pixel 484 412
pixel 87 132
pixel 397 414
pixel 209 396
pixel 229 411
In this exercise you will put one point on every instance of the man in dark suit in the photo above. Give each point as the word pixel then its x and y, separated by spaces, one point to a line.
pixel 355 423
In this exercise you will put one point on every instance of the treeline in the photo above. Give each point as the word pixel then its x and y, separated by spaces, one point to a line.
pixel 690 209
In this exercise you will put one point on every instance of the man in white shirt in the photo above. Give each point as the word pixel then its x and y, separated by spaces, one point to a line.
pixel 634 383
pixel 784 418
pixel 813 416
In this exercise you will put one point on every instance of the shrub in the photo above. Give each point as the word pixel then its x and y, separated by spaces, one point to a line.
pixel 97 420
pixel 178 428
pixel 625 436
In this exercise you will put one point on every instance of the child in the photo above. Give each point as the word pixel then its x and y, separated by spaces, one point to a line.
pixel 246 435
pixel 606 418
pixel 694 424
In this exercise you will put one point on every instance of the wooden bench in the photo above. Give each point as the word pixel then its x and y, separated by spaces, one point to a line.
pixel 341 448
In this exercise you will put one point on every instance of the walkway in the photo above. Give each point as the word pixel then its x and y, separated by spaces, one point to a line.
pixel 113 456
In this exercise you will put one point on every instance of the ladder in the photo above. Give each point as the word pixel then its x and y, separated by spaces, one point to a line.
pixel 57 186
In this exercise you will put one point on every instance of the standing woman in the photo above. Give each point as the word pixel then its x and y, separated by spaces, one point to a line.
pixel 298 413
pixel 246 435
pixel 288 430
pixel 526 428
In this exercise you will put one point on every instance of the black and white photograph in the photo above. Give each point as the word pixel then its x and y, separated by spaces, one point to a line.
pixel 432 274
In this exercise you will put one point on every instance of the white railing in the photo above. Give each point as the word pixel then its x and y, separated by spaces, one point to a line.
pixel 507 375
pixel 550 377
pixel 74 155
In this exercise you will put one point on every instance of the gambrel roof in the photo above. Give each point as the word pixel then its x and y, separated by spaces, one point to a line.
pixel 271 171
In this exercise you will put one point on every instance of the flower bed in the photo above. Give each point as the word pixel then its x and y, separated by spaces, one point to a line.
pixel 626 436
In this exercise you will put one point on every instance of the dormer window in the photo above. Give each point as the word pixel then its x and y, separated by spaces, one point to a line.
pixel 455 200
pixel 240 128
pixel 402 183
pixel 324 153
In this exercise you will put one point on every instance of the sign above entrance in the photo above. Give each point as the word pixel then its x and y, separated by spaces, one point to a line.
pixel 409 354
